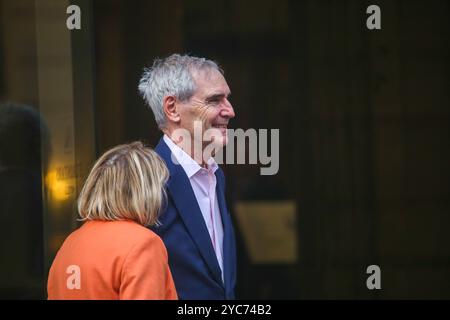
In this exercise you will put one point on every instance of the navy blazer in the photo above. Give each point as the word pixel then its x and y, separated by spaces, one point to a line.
pixel 192 259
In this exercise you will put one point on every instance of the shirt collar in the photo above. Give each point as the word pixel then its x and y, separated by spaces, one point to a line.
pixel 189 165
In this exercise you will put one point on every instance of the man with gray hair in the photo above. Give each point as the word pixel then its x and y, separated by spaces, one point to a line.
pixel 189 99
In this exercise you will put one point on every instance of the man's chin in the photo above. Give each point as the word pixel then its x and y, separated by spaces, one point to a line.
pixel 218 137
pixel 211 147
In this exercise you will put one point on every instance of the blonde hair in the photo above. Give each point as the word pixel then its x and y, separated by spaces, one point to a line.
pixel 126 183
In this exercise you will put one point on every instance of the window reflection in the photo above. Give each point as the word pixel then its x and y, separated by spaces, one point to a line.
pixel 21 201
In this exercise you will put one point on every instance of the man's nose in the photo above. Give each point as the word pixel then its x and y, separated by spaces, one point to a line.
pixel 227 110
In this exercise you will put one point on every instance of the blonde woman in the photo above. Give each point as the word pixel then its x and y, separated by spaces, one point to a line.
pixel 113 255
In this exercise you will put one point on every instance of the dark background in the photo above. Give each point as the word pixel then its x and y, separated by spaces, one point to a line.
pixel 363 118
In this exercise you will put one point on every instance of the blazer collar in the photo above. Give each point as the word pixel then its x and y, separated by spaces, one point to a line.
pixel 179 188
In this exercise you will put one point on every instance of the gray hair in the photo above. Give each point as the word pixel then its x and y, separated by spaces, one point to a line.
pixel 171 76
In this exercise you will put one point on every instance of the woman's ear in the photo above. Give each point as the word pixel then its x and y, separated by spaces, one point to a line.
pixel 170 109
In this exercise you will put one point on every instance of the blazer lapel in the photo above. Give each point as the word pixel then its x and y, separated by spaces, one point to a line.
pixel 226 222
pixel 180 190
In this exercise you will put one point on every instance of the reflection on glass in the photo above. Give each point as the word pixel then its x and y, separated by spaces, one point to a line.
pixel 21 218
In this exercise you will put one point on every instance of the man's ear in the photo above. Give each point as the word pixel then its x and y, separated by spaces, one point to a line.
pixel 170 109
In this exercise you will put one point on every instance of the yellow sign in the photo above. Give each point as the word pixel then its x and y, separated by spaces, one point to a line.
pixel 269 230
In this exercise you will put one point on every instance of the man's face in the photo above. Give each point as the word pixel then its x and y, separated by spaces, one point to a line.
pixel 209 106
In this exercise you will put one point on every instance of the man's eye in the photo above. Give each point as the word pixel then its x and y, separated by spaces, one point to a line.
pixel 213 101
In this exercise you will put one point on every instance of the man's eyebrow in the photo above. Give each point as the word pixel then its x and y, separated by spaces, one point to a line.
pixel 217 96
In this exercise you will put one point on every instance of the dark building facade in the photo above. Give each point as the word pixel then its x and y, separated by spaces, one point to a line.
pixel 363 118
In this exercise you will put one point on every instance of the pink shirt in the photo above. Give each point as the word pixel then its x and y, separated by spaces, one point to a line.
pixel 203 183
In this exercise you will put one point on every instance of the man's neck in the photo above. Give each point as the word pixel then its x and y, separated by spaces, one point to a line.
pixel 192 148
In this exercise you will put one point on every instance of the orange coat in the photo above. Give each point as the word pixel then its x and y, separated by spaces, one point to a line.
pixel 111 260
